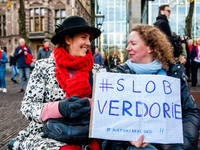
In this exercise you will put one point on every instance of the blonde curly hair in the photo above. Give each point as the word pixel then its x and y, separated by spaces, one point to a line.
pixel 158 42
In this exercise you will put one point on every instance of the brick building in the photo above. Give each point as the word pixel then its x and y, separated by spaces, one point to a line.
pixel 41 17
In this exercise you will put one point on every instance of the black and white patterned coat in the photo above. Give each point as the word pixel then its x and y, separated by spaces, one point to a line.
pixel 42 88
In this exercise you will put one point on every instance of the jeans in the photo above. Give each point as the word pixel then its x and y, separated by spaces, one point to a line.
pixel 14 71
pixel 2 79
pixel 148 147
pixel 23 71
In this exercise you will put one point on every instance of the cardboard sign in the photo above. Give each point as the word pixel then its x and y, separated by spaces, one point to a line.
pixel 126 106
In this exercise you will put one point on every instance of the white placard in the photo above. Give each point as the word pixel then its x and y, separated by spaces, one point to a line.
pixel 126 106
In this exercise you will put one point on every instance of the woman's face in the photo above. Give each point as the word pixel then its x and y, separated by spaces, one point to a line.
pixel 79 44
pixel 138 51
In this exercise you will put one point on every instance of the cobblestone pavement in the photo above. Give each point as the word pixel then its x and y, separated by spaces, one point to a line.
pixel 12 120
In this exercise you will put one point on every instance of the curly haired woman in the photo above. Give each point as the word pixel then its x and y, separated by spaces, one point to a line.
pixel 151 53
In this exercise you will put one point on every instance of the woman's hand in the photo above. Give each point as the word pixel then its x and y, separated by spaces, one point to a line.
pixel 74 107
pixel 139 142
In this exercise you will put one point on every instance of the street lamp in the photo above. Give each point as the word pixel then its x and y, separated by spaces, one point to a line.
pixel 99 21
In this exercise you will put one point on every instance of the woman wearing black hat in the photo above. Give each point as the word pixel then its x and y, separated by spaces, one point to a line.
pixel 59 87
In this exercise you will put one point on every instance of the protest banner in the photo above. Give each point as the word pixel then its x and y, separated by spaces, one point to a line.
pixel 126 106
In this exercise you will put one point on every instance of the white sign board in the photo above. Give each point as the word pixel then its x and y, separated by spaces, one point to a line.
pixel 126 106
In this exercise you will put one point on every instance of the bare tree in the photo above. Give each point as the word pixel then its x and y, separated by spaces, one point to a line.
pixel 22 26
pixel 188 20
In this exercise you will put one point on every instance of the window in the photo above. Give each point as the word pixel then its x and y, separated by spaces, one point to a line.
pixel 111 39
pixel 2 25
pixel 60 13
pixel 105 40
pixel 60 16
pixel 117 39
pixel 36 19
pixel 68 1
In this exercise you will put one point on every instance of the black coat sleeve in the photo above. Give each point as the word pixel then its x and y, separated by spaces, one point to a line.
pixel 193 53
pixel 91 82
pixel 165 28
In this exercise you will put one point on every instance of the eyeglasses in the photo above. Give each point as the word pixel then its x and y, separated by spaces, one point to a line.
pixel 168 10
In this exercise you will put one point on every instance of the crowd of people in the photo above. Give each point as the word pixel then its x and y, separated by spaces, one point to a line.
pixel 59 89
pixel 19 63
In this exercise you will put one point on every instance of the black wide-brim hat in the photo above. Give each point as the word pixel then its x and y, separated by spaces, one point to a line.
pixel 71 25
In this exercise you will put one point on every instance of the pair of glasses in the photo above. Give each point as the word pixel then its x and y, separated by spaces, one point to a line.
pixel 168 10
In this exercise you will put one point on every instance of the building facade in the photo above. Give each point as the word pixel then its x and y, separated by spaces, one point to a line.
pixel 120 17
pixel 41 16
pixel 179 11
pixel 113 39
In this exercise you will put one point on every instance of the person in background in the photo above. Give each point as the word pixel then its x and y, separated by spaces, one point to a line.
pixel 98 59
pixel 162 23
pixel 195 61
pixel 116 60
pixel 184 53
pixel 106 63
pixel 151 53
pixel 13 65
pixel 58 83
pixel 3 61
pixel 189 46
pixel 24 69
pixel 45 51
pixel 111 59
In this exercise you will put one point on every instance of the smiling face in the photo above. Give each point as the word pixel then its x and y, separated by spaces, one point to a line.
pixel 79 44
pixel 138 51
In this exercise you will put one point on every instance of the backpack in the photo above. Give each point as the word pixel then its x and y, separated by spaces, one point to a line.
pixel 28 59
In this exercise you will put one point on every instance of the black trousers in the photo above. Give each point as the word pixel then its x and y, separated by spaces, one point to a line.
pixel 188 68
pixel 195 66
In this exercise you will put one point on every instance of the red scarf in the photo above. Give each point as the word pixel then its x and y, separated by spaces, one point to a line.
pixel 0 55
pixel 78 84
pixel 190 48
pixel 93 146
pixel 24 48
pixel 197 50
pixel 46 48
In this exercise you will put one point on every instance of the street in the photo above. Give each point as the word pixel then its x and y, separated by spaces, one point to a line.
pixel 12 120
